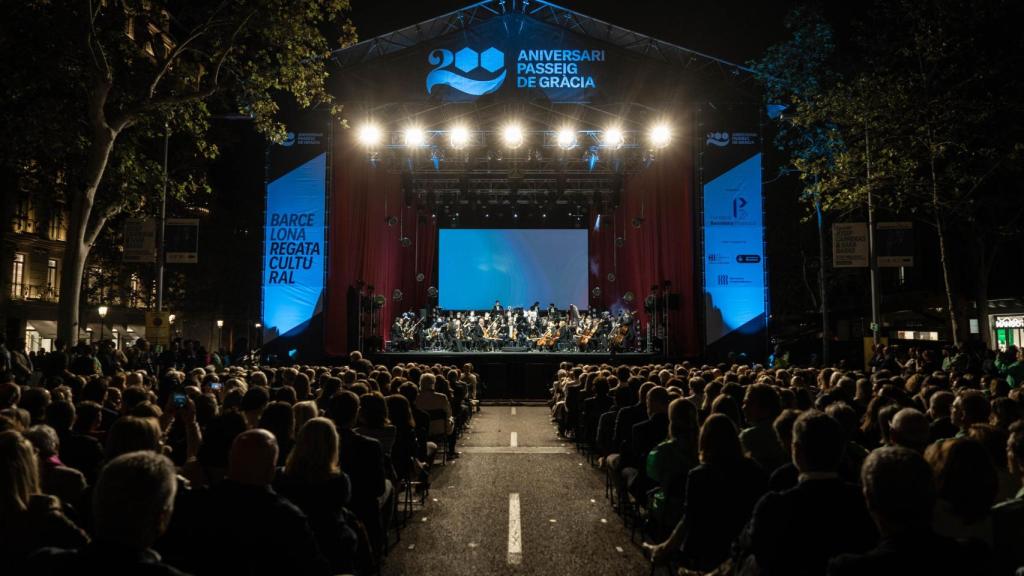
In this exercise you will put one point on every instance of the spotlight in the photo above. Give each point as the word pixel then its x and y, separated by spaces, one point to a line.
pixel 459 136
pixel 512 134
pixel 369 134
pixel 415 137
pixel 566 138
pixel 660 135
pixel 613 138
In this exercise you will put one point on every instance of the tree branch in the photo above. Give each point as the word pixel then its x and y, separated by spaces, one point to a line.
pixel 130 115
pixel 93 232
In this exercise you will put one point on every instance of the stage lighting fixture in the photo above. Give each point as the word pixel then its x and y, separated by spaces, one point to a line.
pixel 566 138
pixel 369 134
pixel 660 135
pixel 415 137
pixel 512 134
pixel 459 137
pixel 613 138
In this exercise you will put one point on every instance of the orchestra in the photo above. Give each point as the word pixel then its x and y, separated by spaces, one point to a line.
pixel 522 329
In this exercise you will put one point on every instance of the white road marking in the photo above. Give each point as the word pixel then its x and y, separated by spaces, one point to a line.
pixel 514 440
pixel 515 534
pixel 513 410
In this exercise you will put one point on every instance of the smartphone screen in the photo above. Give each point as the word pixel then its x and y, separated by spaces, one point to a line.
pixel 179 399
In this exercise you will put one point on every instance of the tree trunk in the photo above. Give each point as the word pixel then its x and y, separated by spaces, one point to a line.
pixel 943 256
pixel 80 237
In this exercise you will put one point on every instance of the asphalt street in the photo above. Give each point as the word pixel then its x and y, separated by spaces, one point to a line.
pixel 518 501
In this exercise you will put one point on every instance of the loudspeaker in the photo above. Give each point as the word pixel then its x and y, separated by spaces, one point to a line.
pixel 515 349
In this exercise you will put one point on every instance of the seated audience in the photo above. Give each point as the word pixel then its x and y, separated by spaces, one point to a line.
pixel 720 495
pixel 29 519
pixel 796 531
pixel 246 514
pixel 899 490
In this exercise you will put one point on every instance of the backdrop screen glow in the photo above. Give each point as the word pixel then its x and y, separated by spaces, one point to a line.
pixel 517 266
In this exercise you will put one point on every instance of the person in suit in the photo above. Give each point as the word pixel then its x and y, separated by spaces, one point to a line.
pixel 621 397
pixel 594 407
pixel 362 459
pixel 899 490
pixel 797 531
pixel 646 435
pixel 245 513
pixel 720 496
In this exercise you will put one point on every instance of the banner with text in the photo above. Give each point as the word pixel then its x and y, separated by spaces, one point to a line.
pixel 735 295
pixel 850 245
pixel 293 244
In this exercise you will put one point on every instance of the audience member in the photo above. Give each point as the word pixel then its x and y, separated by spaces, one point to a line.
pixel 900 493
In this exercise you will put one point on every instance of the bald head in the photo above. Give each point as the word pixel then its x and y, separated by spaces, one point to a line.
pixel 253 458
pixel 909 429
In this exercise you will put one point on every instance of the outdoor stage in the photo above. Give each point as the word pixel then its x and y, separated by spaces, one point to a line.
pixel 529 154
pixel 513 375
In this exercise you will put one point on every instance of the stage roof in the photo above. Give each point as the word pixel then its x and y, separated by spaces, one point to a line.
pixel 549 13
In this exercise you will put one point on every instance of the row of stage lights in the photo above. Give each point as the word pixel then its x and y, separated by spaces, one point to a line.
pixel 513 136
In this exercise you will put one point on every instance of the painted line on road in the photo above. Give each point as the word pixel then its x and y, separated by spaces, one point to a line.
pixel 514 440
pixel 513 410
pixel 514 450
pixel 515 533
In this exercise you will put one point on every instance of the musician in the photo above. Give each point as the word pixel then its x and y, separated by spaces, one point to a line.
pixel 497 307
pixel 552 311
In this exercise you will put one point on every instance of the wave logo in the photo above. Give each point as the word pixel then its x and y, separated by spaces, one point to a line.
pixel 289 139
pixel 720 139
pixel 466 60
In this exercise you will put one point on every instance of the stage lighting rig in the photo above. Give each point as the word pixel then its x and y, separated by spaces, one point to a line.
pixel 370 135
pixel 415 137
pixel 512 135
pixel 613 138
pixel 660 135
pixel 459 136
pixel 566 138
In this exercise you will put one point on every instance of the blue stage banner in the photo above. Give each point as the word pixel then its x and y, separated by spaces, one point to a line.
pixel 735 297
pixel 515 57
pixel 294 242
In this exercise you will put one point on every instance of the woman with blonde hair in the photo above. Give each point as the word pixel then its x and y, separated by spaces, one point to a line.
pixel 313 481
pixel 29 520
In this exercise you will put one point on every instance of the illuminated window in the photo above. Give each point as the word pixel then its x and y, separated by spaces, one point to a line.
pixel 18 276
pixel 24 217
pixel 51 279
pixel 58 224
pixel 134 291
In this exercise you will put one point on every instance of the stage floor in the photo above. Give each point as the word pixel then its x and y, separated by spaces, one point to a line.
pixel 514 375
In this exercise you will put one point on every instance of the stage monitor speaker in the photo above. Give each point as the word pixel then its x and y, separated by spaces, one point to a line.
pixel 515 349
pixel 673 301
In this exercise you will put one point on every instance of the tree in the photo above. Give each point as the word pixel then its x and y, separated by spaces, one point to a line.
pixel 96 84
pixel 928 105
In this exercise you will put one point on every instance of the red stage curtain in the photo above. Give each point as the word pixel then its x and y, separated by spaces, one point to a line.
pixel 661 249
pixel 363 247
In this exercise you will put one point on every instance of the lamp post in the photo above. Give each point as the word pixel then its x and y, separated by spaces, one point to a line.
pixel 103 320
pixel 220 334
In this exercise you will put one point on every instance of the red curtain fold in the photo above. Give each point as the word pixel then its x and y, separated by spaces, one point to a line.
pixel 658 248
pixel 365 247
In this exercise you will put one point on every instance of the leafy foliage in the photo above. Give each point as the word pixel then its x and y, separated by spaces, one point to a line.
pixel 96 84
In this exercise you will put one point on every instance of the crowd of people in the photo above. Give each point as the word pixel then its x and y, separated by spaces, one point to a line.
pixel 143 464
pixel 745 469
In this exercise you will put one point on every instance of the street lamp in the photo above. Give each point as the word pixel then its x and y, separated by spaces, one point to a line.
pixel 220 334
pixel 103 319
